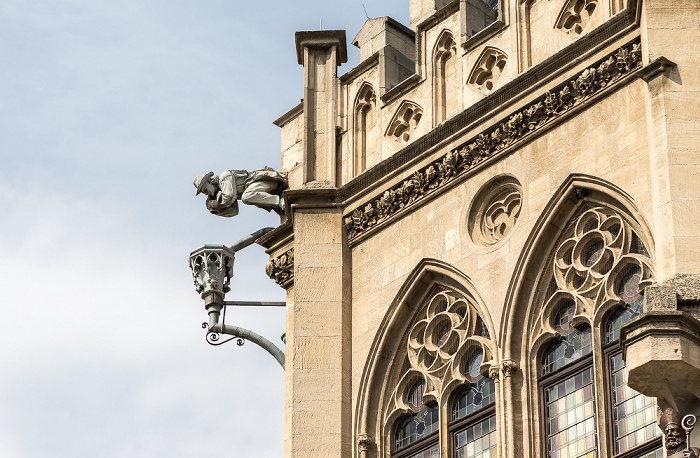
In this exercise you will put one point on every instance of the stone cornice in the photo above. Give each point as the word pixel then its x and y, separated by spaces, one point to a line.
pixel 507 134
pixel 509 94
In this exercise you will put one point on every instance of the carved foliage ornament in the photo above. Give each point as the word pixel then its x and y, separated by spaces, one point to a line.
pixel 517 127
pixel 495 210
pixel 599 263
pixel 281 269
pixel 487 69
pixel 575 15
pixel 439 346
pixel 405 122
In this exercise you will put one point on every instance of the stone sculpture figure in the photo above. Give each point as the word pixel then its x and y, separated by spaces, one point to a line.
pixel 262 188
pixel 676 436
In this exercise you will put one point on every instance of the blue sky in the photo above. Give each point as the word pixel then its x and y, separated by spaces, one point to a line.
pixel 107 112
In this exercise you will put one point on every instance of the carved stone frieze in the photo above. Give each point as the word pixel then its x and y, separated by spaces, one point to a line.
pixel 281 269
pixel 495 139
pixel 575 15
pixel 404 122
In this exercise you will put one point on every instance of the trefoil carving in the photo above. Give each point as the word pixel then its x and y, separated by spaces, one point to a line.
pixel 493 140
pixel 575 15
pixel 487 70
pixel 404 122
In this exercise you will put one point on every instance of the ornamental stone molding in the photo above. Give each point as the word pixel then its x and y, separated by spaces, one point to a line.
pixel 599 263
pixel 515 129
pixel 404 122
pixel 281 268
pixel 575 15
pixel 487 70
pixel 495 210
pixel 212 269
pixel 364 442
pixel 439 345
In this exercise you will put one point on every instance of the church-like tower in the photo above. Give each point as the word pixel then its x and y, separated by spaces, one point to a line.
pixel 492 245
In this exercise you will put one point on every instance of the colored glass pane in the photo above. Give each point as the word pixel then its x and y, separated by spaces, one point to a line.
pixel 634 413
pixel 421 423
pixel 432 452
pixel 658 453
pixel 571 417
pixel 620 317
pixel 479 393
pixel 573 344
pixel 478 441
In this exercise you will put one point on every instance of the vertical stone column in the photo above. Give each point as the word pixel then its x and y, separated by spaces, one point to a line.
pixel 319 330
pixel 670 30
pixel 320 53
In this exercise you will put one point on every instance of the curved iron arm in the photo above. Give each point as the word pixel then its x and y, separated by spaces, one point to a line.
pixel 251 336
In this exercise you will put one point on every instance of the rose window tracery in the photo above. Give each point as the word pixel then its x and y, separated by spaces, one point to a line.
pixel 441 348
pixel 599 264
pixel 495 211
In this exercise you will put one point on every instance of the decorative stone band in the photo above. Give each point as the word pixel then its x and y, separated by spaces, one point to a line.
pixel 509 131
pixel 281 269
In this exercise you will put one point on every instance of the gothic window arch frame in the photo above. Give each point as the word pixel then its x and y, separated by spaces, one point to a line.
pixel 365 104
pixel 383 379
pixel 444 50
pixel 523 301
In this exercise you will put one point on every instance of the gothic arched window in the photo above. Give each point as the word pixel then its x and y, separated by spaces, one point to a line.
pixel 444 371
pixel 599 269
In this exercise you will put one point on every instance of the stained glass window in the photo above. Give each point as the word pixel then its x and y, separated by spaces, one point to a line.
pixel 478 394
pixel 629 294
pixel 658 453
pixel 432 452
pixel 421 423
pixel 634 413
pixel 573 344
pixel 478 441
pixel 571 417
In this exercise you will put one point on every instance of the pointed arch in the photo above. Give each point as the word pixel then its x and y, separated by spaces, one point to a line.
pixel 535 297
pixel 445 85
pixel 375 385
pixel 365 121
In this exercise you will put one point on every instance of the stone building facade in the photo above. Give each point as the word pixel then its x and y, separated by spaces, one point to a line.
pixel 492 244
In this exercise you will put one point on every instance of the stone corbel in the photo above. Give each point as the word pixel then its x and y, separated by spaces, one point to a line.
pixel 661 347
pixel 364 442
pixel 281 269
pixel 655 68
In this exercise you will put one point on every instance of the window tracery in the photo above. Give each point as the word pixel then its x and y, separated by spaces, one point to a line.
pixel 364 123
pixel 445 69
pixel 448 354
pixel 404 123
pixel 487 70
pixel 575 15
pixel 599 268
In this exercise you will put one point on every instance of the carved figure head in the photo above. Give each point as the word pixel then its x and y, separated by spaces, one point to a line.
pixel 670 423
pixel 205 184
